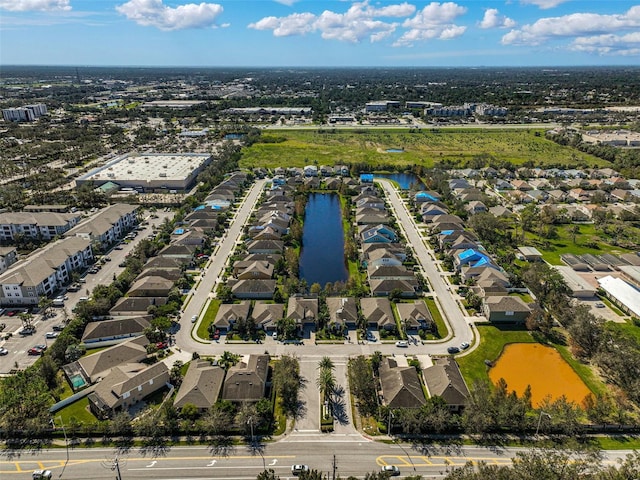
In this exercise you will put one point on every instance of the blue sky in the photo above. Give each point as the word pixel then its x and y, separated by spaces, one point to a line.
pixel 319 33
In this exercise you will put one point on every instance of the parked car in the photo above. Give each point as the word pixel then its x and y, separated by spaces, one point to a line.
pixel 107 259
pixel 391 470
pixel 161 345
pixel 28 331
pixel 453 350
pixel 599 305
pixel 298 469
pixel 464 345
pixel 402 344
pixel 37 350
pixel 51 334
pixel 3 351
pixel 194 319
pixel 58 328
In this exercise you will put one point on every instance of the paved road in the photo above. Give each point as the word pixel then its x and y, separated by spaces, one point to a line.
pixel 215 268
pixel 241 463
pixel 457 321
pixel 185 338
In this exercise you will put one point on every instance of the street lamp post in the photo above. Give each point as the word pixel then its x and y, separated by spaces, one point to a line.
pixel 540 420
pixel 389 423
pixel 250 422
pixel 66 441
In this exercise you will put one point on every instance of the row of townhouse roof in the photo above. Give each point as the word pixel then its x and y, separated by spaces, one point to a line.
pixel 527 173
pixel 470 259
pixel 401 386
pixel 50 268
pixel 382 253
pixel 343 312
pixel 121 378
pixel 119 373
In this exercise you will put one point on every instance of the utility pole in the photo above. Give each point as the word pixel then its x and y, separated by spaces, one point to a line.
pixel 116 466
pixel 335 467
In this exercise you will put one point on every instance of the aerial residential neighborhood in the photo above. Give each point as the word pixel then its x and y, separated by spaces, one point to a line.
pixel 203 269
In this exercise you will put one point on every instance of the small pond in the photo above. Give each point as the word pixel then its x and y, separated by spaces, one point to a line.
pixel 543 368
pixel 404 179
pixel 322 256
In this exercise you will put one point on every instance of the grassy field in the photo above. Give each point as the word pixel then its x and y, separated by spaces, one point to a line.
pixel 492 341
pixel 564 243
pixel 441 325
pixel 209 317
pixel 301 147
pixel 78 410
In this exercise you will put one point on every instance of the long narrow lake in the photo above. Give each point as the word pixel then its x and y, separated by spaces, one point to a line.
pixel 404 179
pixel 322 256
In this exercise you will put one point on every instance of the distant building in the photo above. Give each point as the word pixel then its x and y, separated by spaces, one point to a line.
pixel 28 113
pixel 150 171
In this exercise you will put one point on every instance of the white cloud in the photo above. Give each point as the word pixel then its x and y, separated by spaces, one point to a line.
pixel 30 5
pixel 433 21
pixel 573 25
pixel 288 3
pixel 359 22
pixel 155 14
pixel 493 19
pixel 609 44
pixel 543 4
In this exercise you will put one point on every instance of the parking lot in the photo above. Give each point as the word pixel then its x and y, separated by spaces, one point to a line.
pixel 17 346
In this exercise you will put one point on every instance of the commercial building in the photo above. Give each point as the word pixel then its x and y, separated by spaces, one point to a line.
pixel 621 293
pixel 152 172
pixel 39 225
pixel 108 226
pixel 44 271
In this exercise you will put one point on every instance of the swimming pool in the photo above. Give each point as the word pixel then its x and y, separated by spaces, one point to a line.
pixel 77 381
pixel 178 231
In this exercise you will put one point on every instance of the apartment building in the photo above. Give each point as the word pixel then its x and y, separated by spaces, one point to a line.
pixel 8 256
pixel 39 225
pixel 107 226
pixel 44 271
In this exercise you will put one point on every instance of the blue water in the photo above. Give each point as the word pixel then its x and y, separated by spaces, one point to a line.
pixel 322 257
pixel 395 150
pixel 77 381
pixel 178 231
pixel 404 179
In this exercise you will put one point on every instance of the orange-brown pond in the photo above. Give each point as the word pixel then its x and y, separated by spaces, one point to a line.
pixel 543 368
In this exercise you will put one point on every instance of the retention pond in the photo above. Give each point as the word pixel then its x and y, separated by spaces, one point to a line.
pixel 543 368
pixel 322 257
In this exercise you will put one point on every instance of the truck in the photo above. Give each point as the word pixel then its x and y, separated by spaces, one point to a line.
pixel 58 302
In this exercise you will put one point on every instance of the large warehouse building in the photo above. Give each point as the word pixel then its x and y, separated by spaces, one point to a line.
pixel 150 172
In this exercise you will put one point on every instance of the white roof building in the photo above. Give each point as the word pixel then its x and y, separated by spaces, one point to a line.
pixel 624 293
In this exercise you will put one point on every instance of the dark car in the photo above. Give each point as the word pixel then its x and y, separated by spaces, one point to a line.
pixel 453 350
pixel 28 331
pixel 57 328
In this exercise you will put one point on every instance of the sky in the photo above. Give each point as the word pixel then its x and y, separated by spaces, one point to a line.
pixel 319 33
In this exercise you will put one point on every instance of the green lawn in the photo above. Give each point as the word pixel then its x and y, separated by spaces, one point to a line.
pixel 552 249
pixel 78 410
pixel 301 147
pixel 492 341
pixel 209 317
pixel 441 325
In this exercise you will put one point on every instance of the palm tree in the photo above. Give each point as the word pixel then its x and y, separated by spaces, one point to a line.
pixel 326 364
pixel 326 383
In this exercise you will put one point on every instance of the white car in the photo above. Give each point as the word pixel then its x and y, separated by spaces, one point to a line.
pixel 51 334
pixel 4 351
pixel 464 345
pixel 402 344
pixel 298 469
pixel 391 470
pixel 194 319
pixel 41 475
